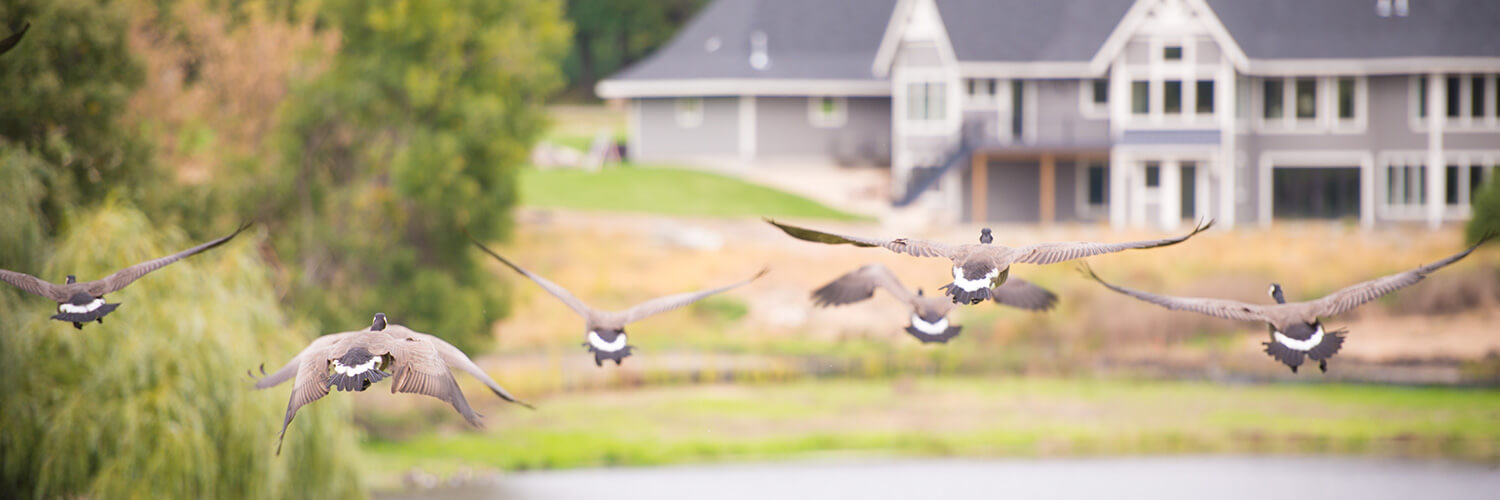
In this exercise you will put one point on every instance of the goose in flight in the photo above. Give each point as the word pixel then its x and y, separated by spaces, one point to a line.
pixel 80 303
pixel 418 363
pixel 605 330
pixel 1295 329
pixel 979 268
pixel 15 38
pixel 929 315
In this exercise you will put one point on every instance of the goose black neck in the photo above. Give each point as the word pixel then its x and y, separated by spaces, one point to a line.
pixel 379 323
pixel 985 237
pixel 72 279
pixel 1276 294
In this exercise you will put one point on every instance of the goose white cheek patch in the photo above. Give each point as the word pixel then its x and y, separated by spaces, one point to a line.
pixel 356 369
pixel 969 285
pixel 86 308
pixel 929 328
pixel 1300 345
pixel 600 344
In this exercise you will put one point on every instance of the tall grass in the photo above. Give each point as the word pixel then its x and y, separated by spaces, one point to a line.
pixel 155 403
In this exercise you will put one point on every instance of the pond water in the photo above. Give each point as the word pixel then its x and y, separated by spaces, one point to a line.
pixel 1154 478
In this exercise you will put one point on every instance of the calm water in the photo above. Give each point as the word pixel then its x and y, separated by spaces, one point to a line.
pixel 1153 478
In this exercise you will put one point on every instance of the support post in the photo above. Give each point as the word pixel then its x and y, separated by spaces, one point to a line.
pixel 1049 188
pixel 979 186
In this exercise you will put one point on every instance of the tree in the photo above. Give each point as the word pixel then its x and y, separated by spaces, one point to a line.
pixel 1486 212
pixel 66 85
pixel 155 403
pixel 413 135
pixel 609 35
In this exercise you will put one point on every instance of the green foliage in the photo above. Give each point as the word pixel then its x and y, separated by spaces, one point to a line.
pixel 665 191
pixel 1486 210
pixel 21 197
pixel 66 86
pixel 610 34
pixel 412 135
pixel 154 403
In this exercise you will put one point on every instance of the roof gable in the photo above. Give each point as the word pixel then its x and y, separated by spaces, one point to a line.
pixel 1030 30
pixel 1351 29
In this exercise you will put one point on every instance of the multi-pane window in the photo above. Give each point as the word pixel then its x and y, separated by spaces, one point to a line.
pixel 1467 100
pixel 926 101
pixel 1171 91
pixel 1153 174
pixel 1406 184
pixel 1345 91
pixel 1464 178
pixel 981 89
pixel 1140 97
pixel 1205 97
pixel 1454 85
pixel 1274 100
pixel 1476 96
pixel 1307 98
pixel 1017 107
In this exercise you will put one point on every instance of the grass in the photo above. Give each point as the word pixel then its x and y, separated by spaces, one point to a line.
pixel 665 191
pixel 969 417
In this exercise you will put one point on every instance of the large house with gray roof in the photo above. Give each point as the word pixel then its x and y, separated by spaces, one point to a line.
pixel 1138 112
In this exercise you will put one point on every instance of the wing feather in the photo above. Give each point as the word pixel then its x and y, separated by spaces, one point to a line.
pixel 908 246
pixel 456 358
pixel 1353 296
pixel 670 302
pixel 419 369
pixel 1219 308
pixel 561 293
pixel 34 285
pixel 1022 294
pixel 118 280
pixel 1052 253
pixel 312 385
pixel 859 285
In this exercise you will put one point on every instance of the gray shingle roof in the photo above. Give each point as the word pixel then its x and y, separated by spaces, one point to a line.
pixel 830 39
pixel 1346 29
pixel 1030 30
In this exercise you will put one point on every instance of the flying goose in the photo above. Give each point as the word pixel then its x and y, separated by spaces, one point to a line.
pixel 80 303
pixel 605 330
pixel 353 361
pixel 1295 330
pixel 11 41
pixel 929 315
pixel 979 269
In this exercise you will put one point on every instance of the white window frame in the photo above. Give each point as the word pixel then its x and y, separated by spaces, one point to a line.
pixel 1325 118
pixel 834 119
pixel 1489 121
pixel 1361 120
pixel 689 115
pixel 1370 195
pixel 1086 105
pixel 1406 210
pixel 926 124
pixel 1081 203
pixel 984 99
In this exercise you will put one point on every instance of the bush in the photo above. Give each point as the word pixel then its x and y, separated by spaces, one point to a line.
pixel 155 403
pixel 1486 209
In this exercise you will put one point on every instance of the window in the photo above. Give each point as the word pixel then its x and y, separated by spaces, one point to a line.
pixel 1172 53
pixel 981 89
pixel 1450 185
pixel 1406 184
pixel 1453 84
pixel 1274 103
pixel 926 101
pixel 1307 98
pixel 826 111
pixel 1140 97
pixel 1171 93
pixel 1421 96
pixel 1205 98
pixel 1476 94
pixel 1346 98
pixel 1101 91
pixel 689 112
pixel 1017 107
pixel 1477 178
pixel 1153 174
pixel 1098 185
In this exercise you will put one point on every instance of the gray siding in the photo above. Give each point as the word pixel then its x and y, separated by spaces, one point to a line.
pixel 1066 194
pixel 1013 194
pixel 1058 119
pixel 784 129
pixel 661 138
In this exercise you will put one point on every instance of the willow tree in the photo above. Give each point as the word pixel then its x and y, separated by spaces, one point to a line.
pixel 155 403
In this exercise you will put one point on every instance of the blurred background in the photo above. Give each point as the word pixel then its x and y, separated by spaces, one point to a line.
pixel 629 149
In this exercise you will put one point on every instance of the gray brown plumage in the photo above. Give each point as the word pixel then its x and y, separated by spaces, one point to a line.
pixel 416 362
pixel 979 268
pixel 929 315
pixel 80 303
pixel 605 330
pixel 15 38
pixel 1295 328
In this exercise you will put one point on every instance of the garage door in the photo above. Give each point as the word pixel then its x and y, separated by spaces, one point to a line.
pixel 1315 192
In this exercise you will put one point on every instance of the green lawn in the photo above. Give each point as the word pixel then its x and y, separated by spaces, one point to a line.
pixel 664 191
pixel 961 416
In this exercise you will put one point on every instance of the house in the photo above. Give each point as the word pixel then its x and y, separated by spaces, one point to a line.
pixel 1139 112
